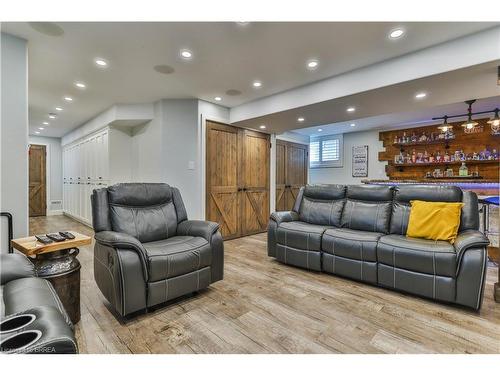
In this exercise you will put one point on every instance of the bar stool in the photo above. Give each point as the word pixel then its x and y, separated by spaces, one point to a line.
pixel 485 209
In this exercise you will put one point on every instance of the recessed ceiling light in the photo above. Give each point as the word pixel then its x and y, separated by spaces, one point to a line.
pixel 41 128
pixel 257 84
pixel 218 98
pixel 186 54
pixel 80 85
pixel 101 62
pixel 351 109
pixel 320 130
pixel 353 125
pixel 52 115
pixel 396 33
pixel 45 123
pixel 262 126
pixel 59 109
pixel 312 64
pixel 420 95
pixel 37 132
pixel 68 98
pixel 301 119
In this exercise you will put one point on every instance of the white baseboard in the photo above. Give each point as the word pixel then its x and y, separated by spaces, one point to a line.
pixel 54 212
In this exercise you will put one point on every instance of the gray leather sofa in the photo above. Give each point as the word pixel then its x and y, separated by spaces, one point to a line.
pixel 146 251
pixel 358 231
pixel 32 318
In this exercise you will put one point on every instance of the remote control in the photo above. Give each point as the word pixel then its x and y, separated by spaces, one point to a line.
pixel 56 237
pixel 67 235
pixel 44 239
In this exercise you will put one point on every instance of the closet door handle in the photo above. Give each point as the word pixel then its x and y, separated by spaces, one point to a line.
pixel 240 189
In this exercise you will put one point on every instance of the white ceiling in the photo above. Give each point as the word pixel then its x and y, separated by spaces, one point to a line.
pixel 226 56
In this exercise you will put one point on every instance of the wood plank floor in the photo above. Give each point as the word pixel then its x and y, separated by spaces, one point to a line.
pixel 263 306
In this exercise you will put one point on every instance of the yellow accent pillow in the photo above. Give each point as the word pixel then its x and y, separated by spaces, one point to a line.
pixel 434 220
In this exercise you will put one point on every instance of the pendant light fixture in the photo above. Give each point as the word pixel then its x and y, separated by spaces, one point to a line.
pixel 469 124
pixel 495 122
pixel 445 126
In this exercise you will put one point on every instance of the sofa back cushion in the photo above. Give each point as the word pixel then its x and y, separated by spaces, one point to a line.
pixel 145 211
pixel 403 194
pixel 322 204
pixel 368 208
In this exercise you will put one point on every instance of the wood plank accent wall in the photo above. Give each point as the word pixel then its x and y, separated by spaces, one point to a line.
pixel 469 143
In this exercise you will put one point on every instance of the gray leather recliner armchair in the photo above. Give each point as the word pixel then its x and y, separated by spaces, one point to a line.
pixel 359 232
pixel 146 251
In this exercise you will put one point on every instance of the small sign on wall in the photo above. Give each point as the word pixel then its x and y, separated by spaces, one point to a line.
pixel 360 161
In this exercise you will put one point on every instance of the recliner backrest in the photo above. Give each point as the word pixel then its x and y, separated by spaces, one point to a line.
pixel 403 194
pixel 146 211
pixel 321 204
pixel 368 208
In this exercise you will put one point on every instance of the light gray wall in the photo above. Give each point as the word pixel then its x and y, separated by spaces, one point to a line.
pixel 14 134
pixel 376 169
pixel 54 171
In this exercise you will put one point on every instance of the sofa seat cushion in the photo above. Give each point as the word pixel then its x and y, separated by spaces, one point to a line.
pixel 418 255
pixel 300 235
pixel 31 292
pixel 352 244
pixel 176 256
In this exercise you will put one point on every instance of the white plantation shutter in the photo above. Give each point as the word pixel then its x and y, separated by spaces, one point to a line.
pixel 326 151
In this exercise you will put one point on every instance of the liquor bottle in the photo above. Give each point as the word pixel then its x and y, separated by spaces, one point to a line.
pixel 413 156
pixel 426 157
pixel 446 157
pixel 431 158
pixel 414 138
pixel 463 171
pixel 438 157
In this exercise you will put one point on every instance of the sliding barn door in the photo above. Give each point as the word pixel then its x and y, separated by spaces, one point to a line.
pixel 280 176
pixel 254 182
pixel 37 181
pixel 222 178
pixel 291 172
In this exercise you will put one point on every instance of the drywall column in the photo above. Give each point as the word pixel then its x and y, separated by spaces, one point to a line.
pixel 14 134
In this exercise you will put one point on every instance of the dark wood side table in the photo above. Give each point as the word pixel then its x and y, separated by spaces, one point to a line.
pixel 57 263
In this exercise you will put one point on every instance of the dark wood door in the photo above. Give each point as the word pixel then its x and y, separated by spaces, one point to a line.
pixel 254 182
pixel 293 158
pixel 222 178
pixel 280 176
pixel 37 181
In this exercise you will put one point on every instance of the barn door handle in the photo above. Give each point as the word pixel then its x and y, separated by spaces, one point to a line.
pixel 245 189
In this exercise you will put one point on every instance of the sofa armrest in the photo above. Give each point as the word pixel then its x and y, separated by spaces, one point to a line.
pixel 15 266
pixel 470 239
pixel 284 216
pixel 198 228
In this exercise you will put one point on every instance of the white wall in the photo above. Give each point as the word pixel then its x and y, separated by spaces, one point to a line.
pixel 14 134
pixel 54 172
pixel 376 169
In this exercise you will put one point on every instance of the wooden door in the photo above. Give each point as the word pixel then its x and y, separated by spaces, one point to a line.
pixel 222 179
pixel 291 172
pixel 254 182
pixel 37 181
pixel 297 159
pixel 280 176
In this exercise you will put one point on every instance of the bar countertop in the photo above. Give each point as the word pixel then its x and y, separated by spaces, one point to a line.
pixel 480 186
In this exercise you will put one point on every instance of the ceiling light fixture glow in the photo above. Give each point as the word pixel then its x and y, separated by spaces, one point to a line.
pixel 59 109
pixel 80 85
pixel 217 98
pixel 301 119
pixel 262 126
pixel 351 109
pixel 45 123
pixel 186 54
pixel 257 84
pixel 52 115
pixel 353 125
pixel 37 132
pixel 320 130
pixel 68 98
pixel 312 64
pixel 41 128
pixel 420 95
pixel 101 62
pixel 396 33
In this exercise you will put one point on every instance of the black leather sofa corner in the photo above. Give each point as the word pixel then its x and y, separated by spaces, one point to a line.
pixel 147 252
pixel 32 318
pixel 359 232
